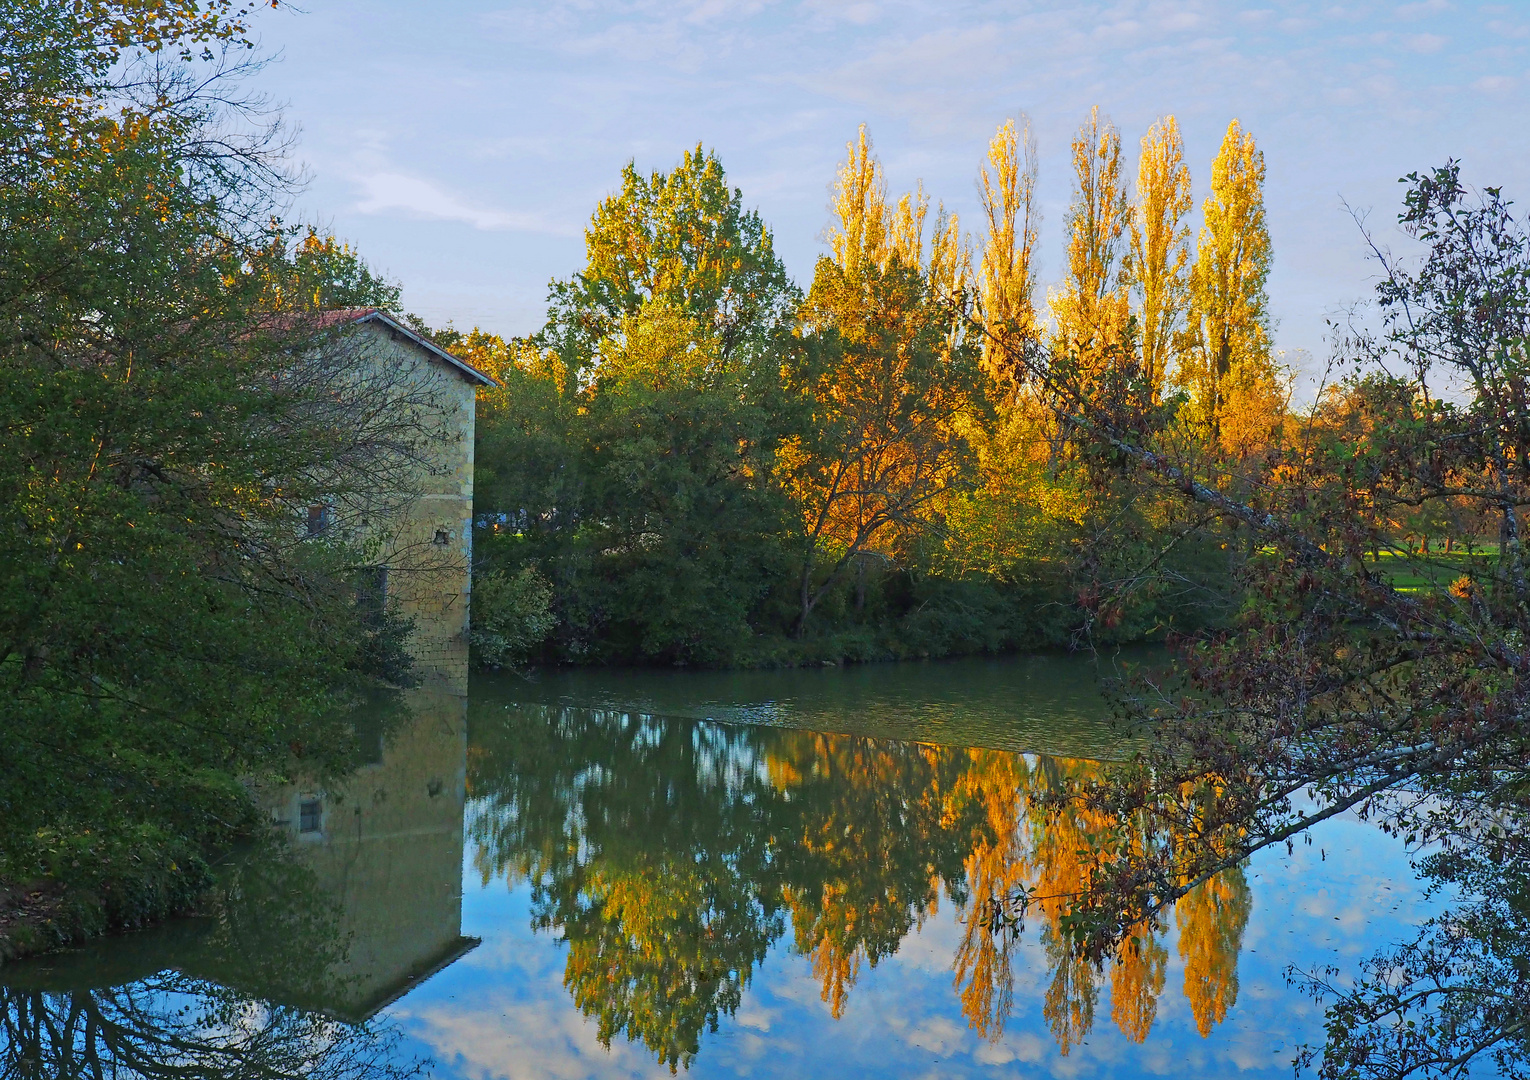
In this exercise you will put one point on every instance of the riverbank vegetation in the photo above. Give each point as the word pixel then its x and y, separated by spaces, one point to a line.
pixel 166 631
pixel 708 464
pixel 950 464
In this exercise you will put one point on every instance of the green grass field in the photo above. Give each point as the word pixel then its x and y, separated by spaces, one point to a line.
pixel 1435 570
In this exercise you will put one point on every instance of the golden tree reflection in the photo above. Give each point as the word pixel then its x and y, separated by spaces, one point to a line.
pixel 1044 845
pixel 1211 920
pixel 671 856
pixel 996 868
pixel 870 846
pixel 1136 980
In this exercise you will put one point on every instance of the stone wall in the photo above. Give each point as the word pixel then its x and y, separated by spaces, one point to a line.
pixel 427 548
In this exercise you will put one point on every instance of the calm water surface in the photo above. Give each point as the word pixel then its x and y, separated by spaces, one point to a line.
pixel 765 874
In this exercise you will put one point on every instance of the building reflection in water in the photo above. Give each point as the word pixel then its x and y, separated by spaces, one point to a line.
pixel 304 943
pixel 385 848
pixel 671 855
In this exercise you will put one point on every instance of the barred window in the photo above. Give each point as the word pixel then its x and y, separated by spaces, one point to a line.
pixel 310 814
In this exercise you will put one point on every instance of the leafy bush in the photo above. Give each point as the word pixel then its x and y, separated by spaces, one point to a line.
pixel 511 616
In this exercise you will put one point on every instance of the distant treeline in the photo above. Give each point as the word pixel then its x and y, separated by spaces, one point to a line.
pixel 697 462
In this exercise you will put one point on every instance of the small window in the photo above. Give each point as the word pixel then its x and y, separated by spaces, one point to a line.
pixel 372 593
pixel 318 519
pixel 443 537
pixel 310 814
pixel 369 738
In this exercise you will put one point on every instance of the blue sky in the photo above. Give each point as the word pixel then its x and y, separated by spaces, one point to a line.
pixel 462 145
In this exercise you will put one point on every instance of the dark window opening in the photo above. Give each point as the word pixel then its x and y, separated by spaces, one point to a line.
pixel 310 814
pixel 369 738
pixel 318 519
pixel 372 593
pixel 443 537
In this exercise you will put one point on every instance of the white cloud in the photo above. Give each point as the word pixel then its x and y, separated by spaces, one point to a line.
pixel 1495 84
pixel 1425 43
pixel 399 193
pixel 526 1040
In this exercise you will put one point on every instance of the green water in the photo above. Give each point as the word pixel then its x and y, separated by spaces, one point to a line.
pixel 1048 703
pixel 618 873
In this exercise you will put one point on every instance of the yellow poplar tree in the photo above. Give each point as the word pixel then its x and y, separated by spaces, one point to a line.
pixel 1160 247
pixel 862 236
pixel 1232 376
pixel 1091 309
pixel 891 376
pixel 1006 274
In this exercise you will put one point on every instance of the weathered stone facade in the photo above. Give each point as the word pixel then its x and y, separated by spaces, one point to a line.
pixel 385 846
pixel 427 548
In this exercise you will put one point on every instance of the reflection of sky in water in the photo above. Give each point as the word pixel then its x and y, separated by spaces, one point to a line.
pixel 502 1011
pixel 672 851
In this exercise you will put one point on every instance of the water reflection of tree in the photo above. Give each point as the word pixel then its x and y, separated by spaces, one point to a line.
pixel 868 838
pixel 207 1014
pixel 670 856
pixel 1043 845
pixel 647 846
pixel 171 1027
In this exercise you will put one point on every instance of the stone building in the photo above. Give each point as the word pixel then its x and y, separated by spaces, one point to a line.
pixel 375 905
pixel 385 846
pixel 422 541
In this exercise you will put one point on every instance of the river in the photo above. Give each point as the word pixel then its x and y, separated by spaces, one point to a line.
pixel 771 874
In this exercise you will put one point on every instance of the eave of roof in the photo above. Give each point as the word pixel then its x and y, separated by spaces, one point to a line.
pixel 357 316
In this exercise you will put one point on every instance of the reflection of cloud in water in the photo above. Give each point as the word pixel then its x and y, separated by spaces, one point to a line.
pixel 626 870
pixel 503 1039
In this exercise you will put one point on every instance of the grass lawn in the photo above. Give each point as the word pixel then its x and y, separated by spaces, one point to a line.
pixel 1433 571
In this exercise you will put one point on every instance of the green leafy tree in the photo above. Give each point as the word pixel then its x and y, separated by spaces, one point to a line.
pixel 318 273
pixel 165 627
pixel 629 451
pixel 683 238
pixel 678 463
pixel 512 615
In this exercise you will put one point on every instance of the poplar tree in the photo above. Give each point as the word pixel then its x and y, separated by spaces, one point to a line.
pixel 859 206
pixel 885 372
pixel 1231 373
pixel 1160 250
pixel 1091 308
pixel 1007 272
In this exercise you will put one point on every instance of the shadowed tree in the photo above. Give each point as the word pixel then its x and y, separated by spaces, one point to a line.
pixel 886 378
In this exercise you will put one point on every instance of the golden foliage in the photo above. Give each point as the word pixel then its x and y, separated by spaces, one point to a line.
pixel 1027 844
pixel 1007 274
pixel 1211 919
pixel 1091 309
pixel 1160 251
pixel 1229 370
pixel 863 235
pixel 1136 981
